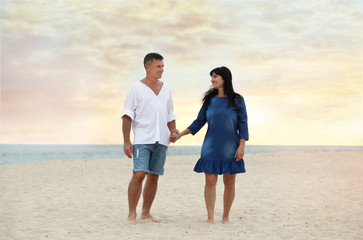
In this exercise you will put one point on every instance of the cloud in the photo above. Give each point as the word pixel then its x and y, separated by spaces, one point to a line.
pixel 72 62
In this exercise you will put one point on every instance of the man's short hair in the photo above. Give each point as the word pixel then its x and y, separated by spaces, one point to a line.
pixel 152 56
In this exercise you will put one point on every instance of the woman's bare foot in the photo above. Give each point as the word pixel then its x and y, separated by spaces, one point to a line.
pixel 149 217
pixel 210 220
pixel 225 220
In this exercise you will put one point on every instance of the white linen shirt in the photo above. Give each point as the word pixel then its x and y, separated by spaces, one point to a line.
pixel 150 113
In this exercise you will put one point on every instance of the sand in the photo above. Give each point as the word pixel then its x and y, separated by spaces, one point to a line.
pixel 306 194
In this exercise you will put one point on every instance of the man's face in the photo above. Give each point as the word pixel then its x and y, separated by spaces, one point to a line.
pixel 155 69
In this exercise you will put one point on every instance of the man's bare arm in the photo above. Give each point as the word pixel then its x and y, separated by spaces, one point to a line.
pixel 126 130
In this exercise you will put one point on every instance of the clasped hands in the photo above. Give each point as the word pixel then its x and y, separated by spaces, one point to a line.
pixel 174 135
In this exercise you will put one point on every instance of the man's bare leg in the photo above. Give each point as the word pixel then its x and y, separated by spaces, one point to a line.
pixel 134 192
pixel 149 193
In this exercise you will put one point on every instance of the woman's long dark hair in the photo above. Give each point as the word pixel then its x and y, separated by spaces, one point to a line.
pixel 226 74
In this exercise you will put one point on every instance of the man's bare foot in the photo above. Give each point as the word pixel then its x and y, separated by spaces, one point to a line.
pixel 131 219
pixel 225 220
pixel 149 217
pixel 210 220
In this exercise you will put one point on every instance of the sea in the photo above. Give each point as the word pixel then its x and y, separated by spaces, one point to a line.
pixel 27 153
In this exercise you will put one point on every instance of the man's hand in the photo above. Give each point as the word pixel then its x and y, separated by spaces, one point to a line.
pixel 173 135
pixel 126 129
pixel 128 149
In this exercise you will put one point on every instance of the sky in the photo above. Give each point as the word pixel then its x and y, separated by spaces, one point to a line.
pixel 66 66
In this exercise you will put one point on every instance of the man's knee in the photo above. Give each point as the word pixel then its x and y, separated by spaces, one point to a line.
pixel 139 176
pixel 152 178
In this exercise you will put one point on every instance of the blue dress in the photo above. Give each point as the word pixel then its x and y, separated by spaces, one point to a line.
pixel 226 126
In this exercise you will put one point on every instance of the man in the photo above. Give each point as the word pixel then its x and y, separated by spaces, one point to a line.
pixel 149 109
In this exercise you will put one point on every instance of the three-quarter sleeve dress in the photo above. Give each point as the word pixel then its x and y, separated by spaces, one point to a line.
pixel 226 126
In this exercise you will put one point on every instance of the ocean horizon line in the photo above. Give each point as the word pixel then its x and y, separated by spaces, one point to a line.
pixel 25 153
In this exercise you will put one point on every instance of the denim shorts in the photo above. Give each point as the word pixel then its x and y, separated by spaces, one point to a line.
pixel 149 158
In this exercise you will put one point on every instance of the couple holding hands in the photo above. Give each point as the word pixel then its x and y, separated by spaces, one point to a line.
pixel 148 110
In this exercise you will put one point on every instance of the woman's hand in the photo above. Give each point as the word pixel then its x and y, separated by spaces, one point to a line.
pixel 176 135
pixel 173 135
pixel 239 153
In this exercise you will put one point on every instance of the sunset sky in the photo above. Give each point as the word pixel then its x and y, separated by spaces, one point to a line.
pixel 66 66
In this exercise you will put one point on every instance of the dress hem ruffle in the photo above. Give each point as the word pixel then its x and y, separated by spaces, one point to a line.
pixel 220 167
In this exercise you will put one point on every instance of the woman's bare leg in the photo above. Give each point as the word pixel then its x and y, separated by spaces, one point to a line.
pixel 229 193
pixel 210 194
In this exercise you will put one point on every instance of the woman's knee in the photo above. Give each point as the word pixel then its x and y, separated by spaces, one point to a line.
pixel 229 180
pixel 211 180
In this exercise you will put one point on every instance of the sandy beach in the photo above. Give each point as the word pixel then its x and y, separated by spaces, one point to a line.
pixel 305 194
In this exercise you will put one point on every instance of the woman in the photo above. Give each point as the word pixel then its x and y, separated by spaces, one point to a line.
pixel 224 142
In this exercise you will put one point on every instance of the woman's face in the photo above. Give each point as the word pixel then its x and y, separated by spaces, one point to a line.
pixel 217 81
